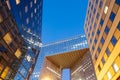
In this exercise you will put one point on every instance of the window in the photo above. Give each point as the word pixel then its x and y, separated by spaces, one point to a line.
pixel 99 49
pixel 93 48
pixel 31 4
pixel 101 22
pixel 26 9
pixel 95 40
pixel 35 1
pixel 113 41
pixel 102 40
pixel 98 32
pixel 35 10
pixel 106 30
pixel 103 60
pixel 18 53
pixel 97 16
pixel 1 18
pixel 100 5
pixel 91 7
pixel 115 67
pixel 92 33
pixel 118 26
pixel 107 52
pixel 5 72
pixel 112 16
pixel 94 10
pixel 109 75
pixel 8 38
pixel 106 9
pixel 2 48
pixel 99 68
pixel 95 25
pixel 96 1
pixel 117 2
pixel 8 4
pixel 17 2
pixel 27 20
pixel 31 15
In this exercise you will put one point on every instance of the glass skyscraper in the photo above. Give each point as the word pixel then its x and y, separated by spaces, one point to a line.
pixel 27 16
pixel 67 45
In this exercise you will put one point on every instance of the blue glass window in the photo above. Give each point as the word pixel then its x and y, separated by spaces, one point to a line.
pixel 107 52
pixel 102 40
pixel 117 2
pixel 93 48
pixel 97 16
pixel 100 5
pixel 95 40
pixel 98 32
pixel 101 22
pixel 92 33
pixel 112 16
pixel 113 41
pixel 94 10
pixel 118 26
pixel 2 48
pixel 99 49
pixel 95 25
pixel 90 28
pixel 107 30
pixel 91 7
pixel 103 60
pixel 90 40
pixel 96 1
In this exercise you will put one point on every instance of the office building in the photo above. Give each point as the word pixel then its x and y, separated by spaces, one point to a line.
pixel 27 15
pixel 62 46
pixel 102 28
pixel 12 47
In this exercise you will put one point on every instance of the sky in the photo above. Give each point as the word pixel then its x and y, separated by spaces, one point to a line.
pixel 62 19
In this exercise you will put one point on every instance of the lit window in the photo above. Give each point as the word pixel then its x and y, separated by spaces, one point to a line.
pixel 1 18
pixel 115 67
pixel 8 4
pixel 117 2
pixel 113 41
pixel 27 20
pixel 112 16
pixel 17 2
pixel 8 38
pixel 31 4
pixel 35 10
pixel 18 53
pixel 5 72
pixel 109 75
pixel 31 15
pixel 28 58
pixel 106 9
pixel 26 9
pixel 35 1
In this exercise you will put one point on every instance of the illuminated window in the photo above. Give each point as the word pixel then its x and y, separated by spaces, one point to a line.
pixel 8 4
pixel 35 10
pixel 17 2
pixel 35 1
pixel 27 20
pixel 115 67
pixel 8 38
pixel 109 75
pixel 5 72
pixel 106 9
pixel 26 9
pixel 18 53
pixel 1 18
pixel 31 4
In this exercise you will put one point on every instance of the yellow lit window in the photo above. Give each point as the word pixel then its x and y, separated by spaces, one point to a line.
pixel 5 72
pixel 8 38
pixel 117 61
pixel 109 75
pixel 115 67
pixel 1 18
pixel 17 2
pixel 18 53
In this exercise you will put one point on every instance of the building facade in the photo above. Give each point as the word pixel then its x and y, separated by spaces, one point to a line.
pixel 102 28
pixel 27 17
pixel 67 45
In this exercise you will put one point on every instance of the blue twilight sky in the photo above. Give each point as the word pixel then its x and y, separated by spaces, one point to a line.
pixel 62 19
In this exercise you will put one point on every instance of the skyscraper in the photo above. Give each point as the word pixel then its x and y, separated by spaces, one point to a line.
pixel 62 46
pixel 102 28
pixel 27 15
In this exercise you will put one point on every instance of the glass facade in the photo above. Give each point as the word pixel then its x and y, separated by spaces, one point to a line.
pixel 72 44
